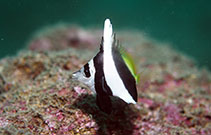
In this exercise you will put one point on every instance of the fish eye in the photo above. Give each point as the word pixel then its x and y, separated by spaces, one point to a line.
pixel 86 70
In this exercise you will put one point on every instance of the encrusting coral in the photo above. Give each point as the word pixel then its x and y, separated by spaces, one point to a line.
pixel 38 96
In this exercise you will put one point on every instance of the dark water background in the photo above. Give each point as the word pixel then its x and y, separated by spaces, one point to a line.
pixel 186 24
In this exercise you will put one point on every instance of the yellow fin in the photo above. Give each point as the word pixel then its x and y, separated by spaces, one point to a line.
pixel 130 63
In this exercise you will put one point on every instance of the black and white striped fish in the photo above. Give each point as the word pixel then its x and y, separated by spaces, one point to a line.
pixel 108 73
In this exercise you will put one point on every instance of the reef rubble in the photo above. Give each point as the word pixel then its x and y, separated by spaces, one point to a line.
pixel 38 96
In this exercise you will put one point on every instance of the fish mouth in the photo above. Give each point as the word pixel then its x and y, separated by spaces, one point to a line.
pixel 75 75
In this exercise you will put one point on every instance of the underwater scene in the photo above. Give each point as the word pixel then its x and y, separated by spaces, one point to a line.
pixel 105 67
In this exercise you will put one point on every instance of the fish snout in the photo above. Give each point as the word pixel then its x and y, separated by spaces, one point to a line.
pixel 76 74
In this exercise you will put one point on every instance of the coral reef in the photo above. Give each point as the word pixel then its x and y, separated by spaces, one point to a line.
pixel 38 96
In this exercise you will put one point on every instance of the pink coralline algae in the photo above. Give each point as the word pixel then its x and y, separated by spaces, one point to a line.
pixel 65 37
pixel 39 96
pixel 3 122
pixel 79 90
pixel 173 114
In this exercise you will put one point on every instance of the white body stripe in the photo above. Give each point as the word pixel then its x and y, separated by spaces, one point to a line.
pixel 111 75
pixel 92 72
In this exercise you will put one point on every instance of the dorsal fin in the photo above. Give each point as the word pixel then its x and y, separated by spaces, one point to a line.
pixel 128 59
pixel 107 36
pixel 109 42
pixel 131 65
pixel 101 44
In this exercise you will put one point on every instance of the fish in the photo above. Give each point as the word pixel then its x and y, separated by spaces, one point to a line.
pixel 111 72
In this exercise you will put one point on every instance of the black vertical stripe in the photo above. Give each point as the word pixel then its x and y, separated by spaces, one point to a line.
pixel 102 89
pixel 99 74
pixel 124 73
pixel 86 70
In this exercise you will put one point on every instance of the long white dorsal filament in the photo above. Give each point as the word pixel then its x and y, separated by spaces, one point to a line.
pixel 112 77
pixel 108 35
